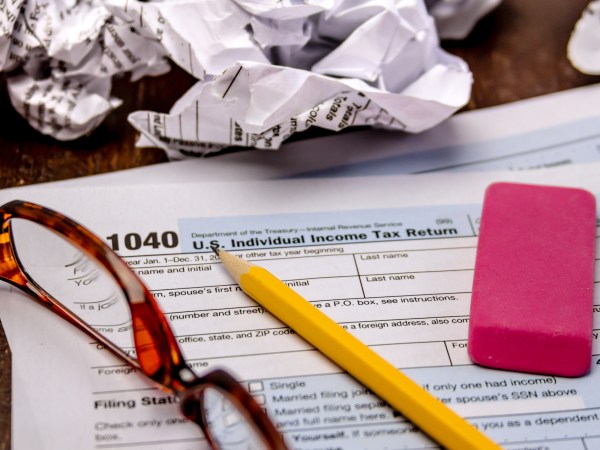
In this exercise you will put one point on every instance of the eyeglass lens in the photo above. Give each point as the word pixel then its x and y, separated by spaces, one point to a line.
pixel 226 424
pixel 76 281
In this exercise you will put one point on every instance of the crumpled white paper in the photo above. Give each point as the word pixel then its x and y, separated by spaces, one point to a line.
pixel 266 68
pixel 60 56
pixel 330 64
pixel 583 49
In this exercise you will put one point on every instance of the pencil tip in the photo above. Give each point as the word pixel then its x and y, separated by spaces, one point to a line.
pixel 215 248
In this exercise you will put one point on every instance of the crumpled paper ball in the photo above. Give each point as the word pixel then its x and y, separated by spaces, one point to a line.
pixel 265 69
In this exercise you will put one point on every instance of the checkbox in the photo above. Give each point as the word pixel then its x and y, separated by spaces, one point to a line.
pixel 260 399
pixel 255 386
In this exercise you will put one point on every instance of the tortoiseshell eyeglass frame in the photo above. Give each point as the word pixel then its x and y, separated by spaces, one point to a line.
pixel 159 356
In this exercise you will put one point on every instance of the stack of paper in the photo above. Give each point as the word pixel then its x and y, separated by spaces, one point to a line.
pixel 388 256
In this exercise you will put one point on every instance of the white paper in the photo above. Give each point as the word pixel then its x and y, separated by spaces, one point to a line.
pixel 325 63
pixel 547 131
pixel 415 262
pixel 584 45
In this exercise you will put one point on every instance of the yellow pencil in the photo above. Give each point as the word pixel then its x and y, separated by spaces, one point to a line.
pixel 421 408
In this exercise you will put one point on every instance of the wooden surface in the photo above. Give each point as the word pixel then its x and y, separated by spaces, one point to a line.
pixel 517 52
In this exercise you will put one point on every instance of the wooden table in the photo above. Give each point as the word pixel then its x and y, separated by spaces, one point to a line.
pixel 517 52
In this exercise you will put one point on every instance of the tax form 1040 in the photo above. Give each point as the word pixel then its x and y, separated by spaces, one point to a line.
pixel 389 258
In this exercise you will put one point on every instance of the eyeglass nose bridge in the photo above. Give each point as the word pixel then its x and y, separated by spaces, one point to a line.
pixel 190 404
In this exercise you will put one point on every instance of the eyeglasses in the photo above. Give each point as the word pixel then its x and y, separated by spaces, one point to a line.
pixel 68 269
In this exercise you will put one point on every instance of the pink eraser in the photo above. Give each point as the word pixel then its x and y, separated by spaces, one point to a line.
pixel 531 308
